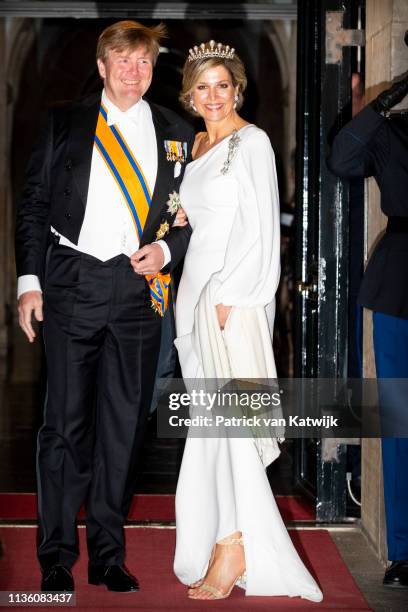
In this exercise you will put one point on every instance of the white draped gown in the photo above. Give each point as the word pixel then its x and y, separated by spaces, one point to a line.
pixel 233 258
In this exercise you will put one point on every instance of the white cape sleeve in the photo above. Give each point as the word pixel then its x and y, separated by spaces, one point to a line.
pixel 251 270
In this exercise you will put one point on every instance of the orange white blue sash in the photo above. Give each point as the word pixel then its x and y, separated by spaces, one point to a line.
pixel 132 183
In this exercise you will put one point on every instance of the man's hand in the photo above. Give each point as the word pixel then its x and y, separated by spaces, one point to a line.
pixel 148 260
pixel 222 314
pixel 28 302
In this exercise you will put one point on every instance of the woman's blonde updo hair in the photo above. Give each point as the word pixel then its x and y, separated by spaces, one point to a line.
pixel 193 70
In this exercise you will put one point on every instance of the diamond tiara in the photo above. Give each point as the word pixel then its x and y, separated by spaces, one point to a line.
pixel 210 49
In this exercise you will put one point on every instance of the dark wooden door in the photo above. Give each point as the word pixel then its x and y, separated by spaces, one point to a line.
pixel 327 39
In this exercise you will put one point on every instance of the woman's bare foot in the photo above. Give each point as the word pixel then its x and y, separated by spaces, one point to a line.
pixel 227 566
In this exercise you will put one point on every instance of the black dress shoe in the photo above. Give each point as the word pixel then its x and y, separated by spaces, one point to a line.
pixel 115 577
pixel 396 575
pixel 57 578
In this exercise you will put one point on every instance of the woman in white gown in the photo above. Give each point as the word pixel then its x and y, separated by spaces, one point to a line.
pixel 229 530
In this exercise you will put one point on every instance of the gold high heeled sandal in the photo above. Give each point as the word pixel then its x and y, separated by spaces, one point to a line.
pixel 217 594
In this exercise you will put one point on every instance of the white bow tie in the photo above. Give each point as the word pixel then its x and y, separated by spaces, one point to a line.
pixel 115 115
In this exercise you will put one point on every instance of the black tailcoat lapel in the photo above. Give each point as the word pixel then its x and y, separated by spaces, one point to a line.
pixel 165 175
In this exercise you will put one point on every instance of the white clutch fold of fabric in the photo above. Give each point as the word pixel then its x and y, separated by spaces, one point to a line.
pixel 243 350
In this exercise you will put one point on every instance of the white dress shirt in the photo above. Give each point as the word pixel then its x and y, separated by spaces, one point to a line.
pixel 108 229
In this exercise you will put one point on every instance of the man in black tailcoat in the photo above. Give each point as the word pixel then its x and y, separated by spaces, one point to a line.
pixel 94 244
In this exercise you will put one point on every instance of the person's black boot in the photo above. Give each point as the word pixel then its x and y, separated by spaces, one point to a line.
pixel 396 575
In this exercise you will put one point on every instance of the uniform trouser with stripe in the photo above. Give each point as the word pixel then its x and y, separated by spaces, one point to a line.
pixel 391 359
pixel 102 341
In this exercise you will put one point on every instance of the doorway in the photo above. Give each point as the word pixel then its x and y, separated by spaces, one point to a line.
pixel 57 64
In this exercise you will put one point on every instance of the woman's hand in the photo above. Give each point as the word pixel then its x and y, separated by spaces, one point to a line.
pixel 222 314
pixel 181 218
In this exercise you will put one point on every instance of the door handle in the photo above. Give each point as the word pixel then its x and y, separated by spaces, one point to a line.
pixel 307 290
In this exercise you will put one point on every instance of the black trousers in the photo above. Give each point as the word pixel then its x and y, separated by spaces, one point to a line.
pixel 102 341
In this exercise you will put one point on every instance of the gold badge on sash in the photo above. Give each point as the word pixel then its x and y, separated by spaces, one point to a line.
pixel 163 230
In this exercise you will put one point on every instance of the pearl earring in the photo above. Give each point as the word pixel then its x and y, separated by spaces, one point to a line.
pixel 192 104
pixel 236 101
